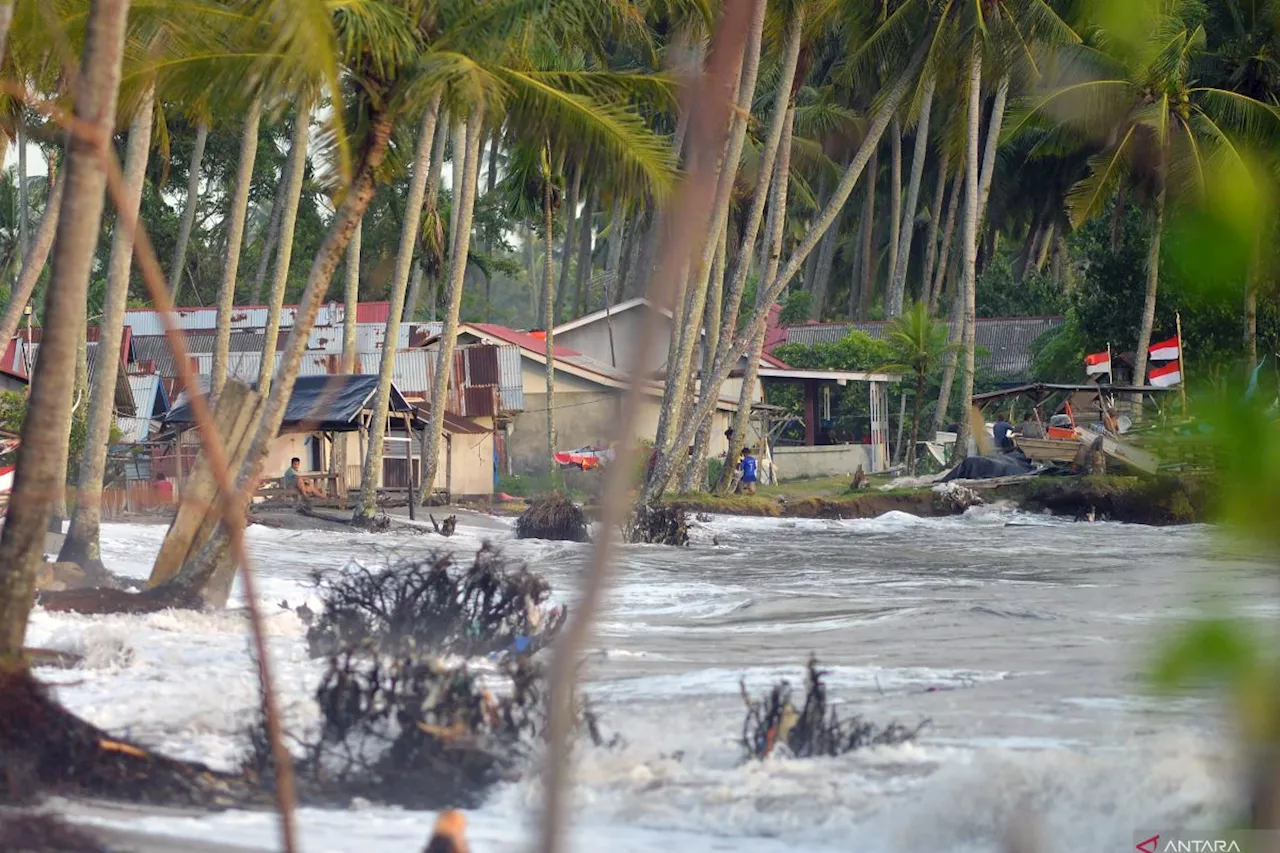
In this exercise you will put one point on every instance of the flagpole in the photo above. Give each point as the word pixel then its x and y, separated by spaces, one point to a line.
pixel 1182 364
pixel 1111 376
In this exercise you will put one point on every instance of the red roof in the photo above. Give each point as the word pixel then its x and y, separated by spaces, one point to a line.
pixel 774 361
pixel 521 339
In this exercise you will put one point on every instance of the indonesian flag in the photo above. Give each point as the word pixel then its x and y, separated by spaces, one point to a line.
pixel 1166 375
pixel 1098 362
pixel 1166 350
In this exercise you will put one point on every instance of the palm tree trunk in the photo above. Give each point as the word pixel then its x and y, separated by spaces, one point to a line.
pixel 367 507
pixel 350 314
pixel 822 272
pixel 548 311
pixel 968 279
pixel 1153 284
pixel 432 221
pixel 931 241
pixel 855 270
pixel 81 545
pixel 895 210
pixel 272 238
pixel 956 327
pixel 1250 307
pixel 948 235
pixel 297 165
pixel 751 374
pixel 695 478
pixel 48 419
pixel 613 260
pixel 582 274
pixel 33 262
pixel 769 293
pixel 236 218
pixel 994 123
pixel 679 373
pixel 491 179
pixel 913 453
pixel 902 258
pixel 566 253
pixel 457 270
pixel 24 198
pixel 869 252
pixel 764 180
pixel 189 211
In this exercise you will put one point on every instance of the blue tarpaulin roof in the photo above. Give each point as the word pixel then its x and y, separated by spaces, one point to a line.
pixel 331 403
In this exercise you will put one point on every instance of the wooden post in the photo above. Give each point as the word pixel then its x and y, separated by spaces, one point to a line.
pixel 1182 365
pixel 448 466
pixel 408 431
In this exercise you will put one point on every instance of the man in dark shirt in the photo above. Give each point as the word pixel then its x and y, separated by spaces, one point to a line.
pixel 1000 429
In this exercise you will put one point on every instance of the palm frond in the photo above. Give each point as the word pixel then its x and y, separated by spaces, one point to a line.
pixel 1089 197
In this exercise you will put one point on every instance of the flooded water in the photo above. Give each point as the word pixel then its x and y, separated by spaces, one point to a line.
pixel 1022 639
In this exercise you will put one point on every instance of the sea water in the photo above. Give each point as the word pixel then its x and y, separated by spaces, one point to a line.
pixel 1023 640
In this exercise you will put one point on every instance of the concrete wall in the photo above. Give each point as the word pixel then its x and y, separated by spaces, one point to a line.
pixel 593 340
pixel 836 460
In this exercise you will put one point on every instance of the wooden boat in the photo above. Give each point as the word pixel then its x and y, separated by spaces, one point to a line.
pixel 1123 452
pixel 1048 449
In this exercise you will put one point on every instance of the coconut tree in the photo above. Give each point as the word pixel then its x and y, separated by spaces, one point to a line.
pixel 236 218
pixel 81 545
pixel 47 424
pixel 917 343
pixel 190 205
pixel 367 506
pixel 1159 132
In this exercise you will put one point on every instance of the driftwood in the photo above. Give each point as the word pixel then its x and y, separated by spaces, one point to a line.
pixel 44 833
pixel 813 730
pixel 447 528
pixel 105 600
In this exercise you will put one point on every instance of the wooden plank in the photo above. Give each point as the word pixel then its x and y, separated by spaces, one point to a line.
pixel 200 489
pixel 1121 452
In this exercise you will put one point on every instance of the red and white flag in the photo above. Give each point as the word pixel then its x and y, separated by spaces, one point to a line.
pixel 1166 350
pixel 1098 362
pixel 1166 375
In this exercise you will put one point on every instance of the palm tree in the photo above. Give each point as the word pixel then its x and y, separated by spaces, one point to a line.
pixel 1157 129
pixel 81 545
pixel 189 208
pixel 367 506
pixel 918 343
pixel 236 218
pixel 47 424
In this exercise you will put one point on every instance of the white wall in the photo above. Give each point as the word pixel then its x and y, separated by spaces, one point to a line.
pixel 836 460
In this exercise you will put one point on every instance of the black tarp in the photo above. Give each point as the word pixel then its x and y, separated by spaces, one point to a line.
pixel 990 467
pixel 331 403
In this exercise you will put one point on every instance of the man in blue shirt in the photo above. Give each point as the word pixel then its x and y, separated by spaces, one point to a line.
pixel 748 468
pixel 1000 430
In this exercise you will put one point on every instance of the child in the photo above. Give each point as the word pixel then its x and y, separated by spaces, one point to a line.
pixel 748 468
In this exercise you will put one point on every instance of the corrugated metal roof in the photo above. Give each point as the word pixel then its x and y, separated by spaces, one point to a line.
pixel 148 396
pixel 133 430
pixel 1003 343
pixel 147 321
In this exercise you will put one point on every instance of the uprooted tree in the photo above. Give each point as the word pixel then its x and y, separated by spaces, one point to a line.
pixel 774 725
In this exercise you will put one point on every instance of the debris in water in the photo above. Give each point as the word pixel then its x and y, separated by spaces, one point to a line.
pixel 449 833
pixel 436 607
pixel 447 528
pixel 552 516
pixel 658 525
pixel 813 731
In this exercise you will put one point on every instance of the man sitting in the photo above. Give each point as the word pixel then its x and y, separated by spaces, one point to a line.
pixel 294 483
pixel 1031 428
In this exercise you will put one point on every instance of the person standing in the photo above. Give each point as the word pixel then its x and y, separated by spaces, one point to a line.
pixel 748 466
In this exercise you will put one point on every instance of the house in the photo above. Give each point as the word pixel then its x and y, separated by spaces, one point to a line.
pixel 326 409
pixel 588 402
pixel 1003 344
pixel 150 403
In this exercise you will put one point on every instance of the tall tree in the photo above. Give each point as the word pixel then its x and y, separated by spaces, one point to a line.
pixel 236 218
pixel 902 257
pixel 367 507
pixel 296 168
pixel 464 210
pixel 190 207
pixel 47 423
pixel 81 545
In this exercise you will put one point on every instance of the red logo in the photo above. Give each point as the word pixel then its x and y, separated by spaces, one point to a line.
pixel 1149 846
